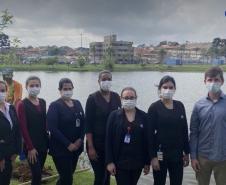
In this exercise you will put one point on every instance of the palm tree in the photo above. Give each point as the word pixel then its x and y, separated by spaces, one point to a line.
pixel 182 50
pixel 93 50
pixel 162 55
pixel 196 53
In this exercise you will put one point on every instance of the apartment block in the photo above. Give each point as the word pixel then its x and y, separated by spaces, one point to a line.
pixel 120 51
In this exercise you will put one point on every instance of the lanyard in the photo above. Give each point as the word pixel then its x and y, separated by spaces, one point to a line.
pixel 128 129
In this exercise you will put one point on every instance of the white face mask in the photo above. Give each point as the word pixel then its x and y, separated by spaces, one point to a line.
pixel 2 96
pixel 33 91
pixel 167 93
pixel 213 87
pixel 106 85
pixel 129 104
pixel 67 94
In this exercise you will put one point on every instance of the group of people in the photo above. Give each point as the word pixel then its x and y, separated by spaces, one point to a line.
pixel 121 139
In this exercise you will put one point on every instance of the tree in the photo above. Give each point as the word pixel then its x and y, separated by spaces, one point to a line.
pixel 109 51
pixel 53 51
pixel 218 48
pixel 108 61
pixel 93 50
pixel 4 42
pixel 216 42
pixel 196 52
pixel 182 51
pixel 213 52
pixel 163 43
pixel 162 55
pixel 51 61
pixel 9 55
pixel 81 61
pixel 5 20
pixel 12 52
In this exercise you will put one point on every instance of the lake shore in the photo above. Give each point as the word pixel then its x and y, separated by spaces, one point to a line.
pixel 117 67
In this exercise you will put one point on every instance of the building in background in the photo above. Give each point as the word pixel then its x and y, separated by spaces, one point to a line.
pixel 120 51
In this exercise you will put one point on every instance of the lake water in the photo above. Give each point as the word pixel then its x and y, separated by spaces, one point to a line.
pixel 190 86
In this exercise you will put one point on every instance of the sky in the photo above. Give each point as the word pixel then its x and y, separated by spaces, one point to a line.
pixel 61 22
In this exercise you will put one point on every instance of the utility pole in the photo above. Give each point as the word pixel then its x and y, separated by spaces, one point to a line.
pixel 81 39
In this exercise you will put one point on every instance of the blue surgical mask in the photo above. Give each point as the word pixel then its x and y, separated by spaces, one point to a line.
pixel 2 96
pixel 213 87
pixel 129 104
pixel 167 93
pixel 33 91
pixel 106 85
pixel 67 94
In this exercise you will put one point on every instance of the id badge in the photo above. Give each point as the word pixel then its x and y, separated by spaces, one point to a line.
pixel 127 138
pixel 160 155
pixel 77 123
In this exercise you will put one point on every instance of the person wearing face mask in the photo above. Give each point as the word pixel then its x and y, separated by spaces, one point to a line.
pixel 98 107
pixel 10 139
pixel 65 120
pixel 31 112
pixel 208 131
pixel 127 141
pixel 169 148
pixel 14 93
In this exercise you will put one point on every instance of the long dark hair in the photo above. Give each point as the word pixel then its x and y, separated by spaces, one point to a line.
pixel 166 79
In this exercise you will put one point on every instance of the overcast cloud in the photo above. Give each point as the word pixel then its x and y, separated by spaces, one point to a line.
pixel 60 22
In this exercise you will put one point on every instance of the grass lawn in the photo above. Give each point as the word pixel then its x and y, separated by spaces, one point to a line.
pixel 117 67
pixel 82 178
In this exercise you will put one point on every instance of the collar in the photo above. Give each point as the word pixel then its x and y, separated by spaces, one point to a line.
pixel 7 105
pixel 222 96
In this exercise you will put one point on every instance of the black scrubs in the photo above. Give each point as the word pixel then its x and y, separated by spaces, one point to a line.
pixel 97 112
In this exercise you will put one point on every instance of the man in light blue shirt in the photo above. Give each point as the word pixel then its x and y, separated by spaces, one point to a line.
pixel 208 131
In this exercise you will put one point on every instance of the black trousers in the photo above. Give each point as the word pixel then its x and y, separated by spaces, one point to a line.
pixel 175 170
pixel 102 177
pixel 127 177
pixel 5 176
pixel 36 168
pixel 65 166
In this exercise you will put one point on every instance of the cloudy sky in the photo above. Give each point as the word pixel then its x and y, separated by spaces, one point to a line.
pixel 60 22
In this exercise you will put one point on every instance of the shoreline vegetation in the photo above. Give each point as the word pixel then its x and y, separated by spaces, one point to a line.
pixel 117 67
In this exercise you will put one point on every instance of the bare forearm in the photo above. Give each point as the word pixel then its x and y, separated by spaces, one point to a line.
pixel 89 138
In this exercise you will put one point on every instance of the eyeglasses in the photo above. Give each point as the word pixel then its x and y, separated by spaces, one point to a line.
pixel 129 98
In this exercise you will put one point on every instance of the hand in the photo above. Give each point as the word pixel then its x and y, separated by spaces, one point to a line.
pixel 72 147
pixel 111 168
pixel 146 169
pixel 92 153
pixel 195 165
pixel 155 164
pixel 13 157
pixel 2 165
pixel 186 160
pixel 78 143
pixel 32 156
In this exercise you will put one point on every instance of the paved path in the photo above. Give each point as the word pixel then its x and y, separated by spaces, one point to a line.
pixel 189 178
